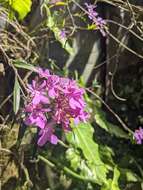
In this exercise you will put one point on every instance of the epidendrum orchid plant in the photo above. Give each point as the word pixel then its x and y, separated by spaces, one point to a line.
pixel 58 101
pixel 54 101
pixel 100 23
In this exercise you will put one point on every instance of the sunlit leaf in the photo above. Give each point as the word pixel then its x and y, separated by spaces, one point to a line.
pixel 74 157
pixel 16 96
pixel 22 7
pixel 129 175
pixel 60 3
pixel 82 137
pixel 92 27
pixel 51 23
pixel 116 175
pixel 24 65
pixel 106 153
pixel 113 183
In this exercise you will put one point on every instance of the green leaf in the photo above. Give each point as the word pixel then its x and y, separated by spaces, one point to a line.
pixel 113 184
pixel 107 126
pixel 60 3
pixel 74 157
pixel 77 163
pixel 92 27
pixel 22 7
pixel 106 154
pixel 129 175
pixel 16 96
pixel 24 65
pixel 82 137
pixel 53 26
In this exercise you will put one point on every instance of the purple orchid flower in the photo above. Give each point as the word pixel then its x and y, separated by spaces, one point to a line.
pixel 46 135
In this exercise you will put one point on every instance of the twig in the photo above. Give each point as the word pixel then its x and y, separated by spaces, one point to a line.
pixel 63 144
pixel 9 96
pixel 115 115
pixel 5 100
pixel 123 5
pixel 25 170
pixel 123 45
pixel 126 28
pixel 112 88
pixel 72 19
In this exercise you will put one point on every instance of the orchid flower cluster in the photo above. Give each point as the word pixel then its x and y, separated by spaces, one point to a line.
pixel 54 102
pixel 93 16
pixel 138 135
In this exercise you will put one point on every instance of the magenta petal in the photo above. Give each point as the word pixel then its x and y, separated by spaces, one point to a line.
pixel 47 135
pixel 53 139
pixel 36 99
pixel 40 122
pixel 32 118
pixel 76 121
pixel 43 73
pixel 45 99
pixel 52 93
pixel 74 104
pixel 43 139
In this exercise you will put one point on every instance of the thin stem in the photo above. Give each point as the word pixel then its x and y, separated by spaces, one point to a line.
pixel 65 169
pixel 63 144
pixel 126 28
pixel 115 115
pixel 123 45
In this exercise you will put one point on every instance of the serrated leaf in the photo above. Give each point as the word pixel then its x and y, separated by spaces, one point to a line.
pixel 24 65
pixel 16 96
pixel 107 126
pixel 82 137
pixel 22 7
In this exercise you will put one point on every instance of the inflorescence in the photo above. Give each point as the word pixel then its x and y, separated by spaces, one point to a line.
pixel 94 17
pixel 54 101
